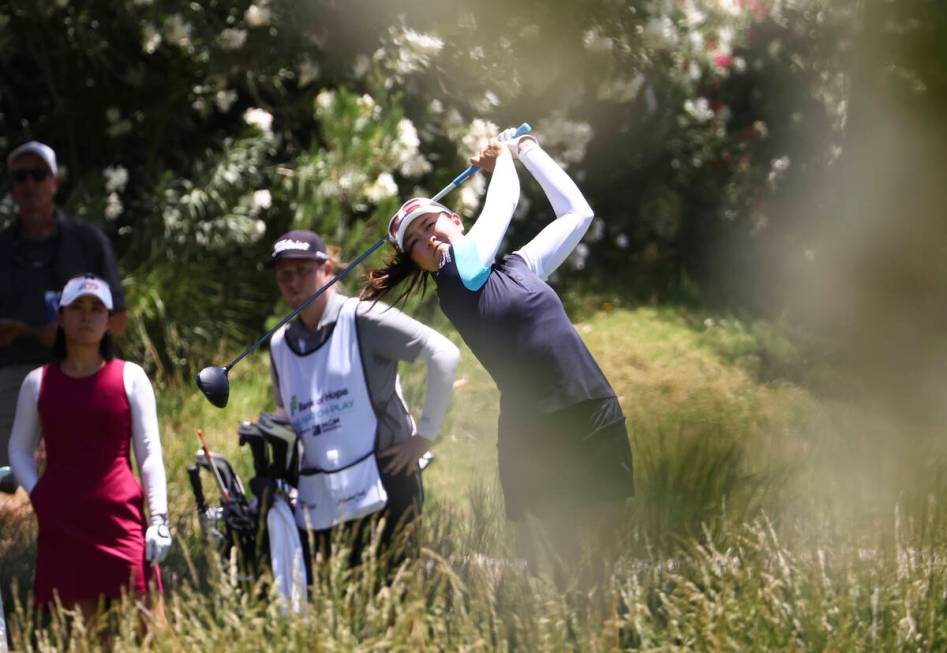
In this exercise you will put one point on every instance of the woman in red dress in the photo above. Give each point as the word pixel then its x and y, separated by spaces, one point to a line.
pixel 91 408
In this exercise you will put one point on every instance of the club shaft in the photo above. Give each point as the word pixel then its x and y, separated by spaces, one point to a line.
pixel 213 467
pixel 522 130
pixel 306 303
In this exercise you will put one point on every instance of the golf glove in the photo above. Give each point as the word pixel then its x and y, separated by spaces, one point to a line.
pixel 157 539
pixel 516 144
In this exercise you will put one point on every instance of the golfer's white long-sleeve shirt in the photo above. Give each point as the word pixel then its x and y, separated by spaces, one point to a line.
pixel 551 246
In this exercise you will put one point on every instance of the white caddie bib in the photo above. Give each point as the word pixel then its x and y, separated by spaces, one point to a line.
pixel 326 398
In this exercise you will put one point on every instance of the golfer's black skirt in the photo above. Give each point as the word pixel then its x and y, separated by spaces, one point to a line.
pixel 572 457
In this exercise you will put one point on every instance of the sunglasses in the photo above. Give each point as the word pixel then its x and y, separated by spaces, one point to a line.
pixel 21 175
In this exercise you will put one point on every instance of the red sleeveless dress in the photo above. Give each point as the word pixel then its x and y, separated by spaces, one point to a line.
pixel 88 503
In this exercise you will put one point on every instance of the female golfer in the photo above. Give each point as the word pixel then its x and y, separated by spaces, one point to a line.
pixel 335 377
pixel 563 449
pixel 90 409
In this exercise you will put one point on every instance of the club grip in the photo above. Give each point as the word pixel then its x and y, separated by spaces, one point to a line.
pixel 523 129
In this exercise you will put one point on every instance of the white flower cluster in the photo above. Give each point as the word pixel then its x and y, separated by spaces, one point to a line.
pixel 381 189
pixel 232 38
pixel 259 118
pixel 699 109
pixel 116 178
pixel 241 227
pixel 596 42
pixel 660 32
pixel 565 139
pixel 262 199
pixel 325 100
pixel 777 170
pixel 407 51
pixel 177 31
pixel 308 71
pixel 472 191
pixel 699 34
pixel 113 206
pixel 239 230
pixel 478 135
pixel 224 99
pixel 732 7
pixel 258 15
pixel 150 38
pixel 410 161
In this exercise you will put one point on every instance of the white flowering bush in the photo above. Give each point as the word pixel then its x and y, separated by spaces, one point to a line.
pixel 346 185
pixel 196 133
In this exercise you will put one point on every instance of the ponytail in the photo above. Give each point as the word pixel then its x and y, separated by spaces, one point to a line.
pixel 399 267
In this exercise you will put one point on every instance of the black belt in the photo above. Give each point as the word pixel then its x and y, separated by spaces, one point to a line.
pixel 312 471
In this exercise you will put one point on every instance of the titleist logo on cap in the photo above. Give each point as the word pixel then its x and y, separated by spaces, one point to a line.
pixel 283 245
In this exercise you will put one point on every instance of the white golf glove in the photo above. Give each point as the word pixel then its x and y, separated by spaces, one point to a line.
pixel 157 539
pixel 517 145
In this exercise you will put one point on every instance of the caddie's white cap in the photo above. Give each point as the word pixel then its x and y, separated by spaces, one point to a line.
pixel 408 213
pixel 43 151
pixel 86 284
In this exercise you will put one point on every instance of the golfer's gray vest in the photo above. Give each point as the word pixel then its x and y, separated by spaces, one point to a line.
pixel 327 401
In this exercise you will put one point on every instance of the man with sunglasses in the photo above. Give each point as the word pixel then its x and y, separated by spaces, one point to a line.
pixel 39 252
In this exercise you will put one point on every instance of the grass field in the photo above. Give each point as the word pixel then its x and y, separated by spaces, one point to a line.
pixel 768 517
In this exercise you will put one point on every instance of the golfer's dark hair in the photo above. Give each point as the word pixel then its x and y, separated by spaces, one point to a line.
pixel 106 346
pixel 398 268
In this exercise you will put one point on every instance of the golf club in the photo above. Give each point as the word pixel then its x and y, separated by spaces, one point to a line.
pixel 213 381
pixel 210 462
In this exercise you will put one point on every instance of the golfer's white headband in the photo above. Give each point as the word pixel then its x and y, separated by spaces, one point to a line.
pixel 408 213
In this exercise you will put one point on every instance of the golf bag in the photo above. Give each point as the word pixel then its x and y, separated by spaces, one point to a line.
pixel 239 521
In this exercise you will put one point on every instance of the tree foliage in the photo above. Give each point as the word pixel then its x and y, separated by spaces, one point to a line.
pixel 195 133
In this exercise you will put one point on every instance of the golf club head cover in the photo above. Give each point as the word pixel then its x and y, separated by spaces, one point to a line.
pixel 264 488
pixel 157 539
pixel 284 444
pixel 249 433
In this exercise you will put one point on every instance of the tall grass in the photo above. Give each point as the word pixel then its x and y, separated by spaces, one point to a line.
pixel 755 527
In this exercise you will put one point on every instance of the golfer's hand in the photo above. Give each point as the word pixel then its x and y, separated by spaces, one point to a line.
pixel 157 539
pixel 403 458
pixel 487 159
pixel 515 144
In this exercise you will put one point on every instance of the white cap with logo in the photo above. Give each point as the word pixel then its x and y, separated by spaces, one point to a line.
pixel 86 284
pixel 43 151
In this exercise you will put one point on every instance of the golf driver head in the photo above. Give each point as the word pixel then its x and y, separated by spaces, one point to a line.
pixel 215 385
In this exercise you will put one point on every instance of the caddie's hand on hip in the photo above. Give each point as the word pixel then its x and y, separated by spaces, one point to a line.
pixel 403 458
pixel 157 539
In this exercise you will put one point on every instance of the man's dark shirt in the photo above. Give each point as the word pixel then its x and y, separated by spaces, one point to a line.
pixel 29 269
